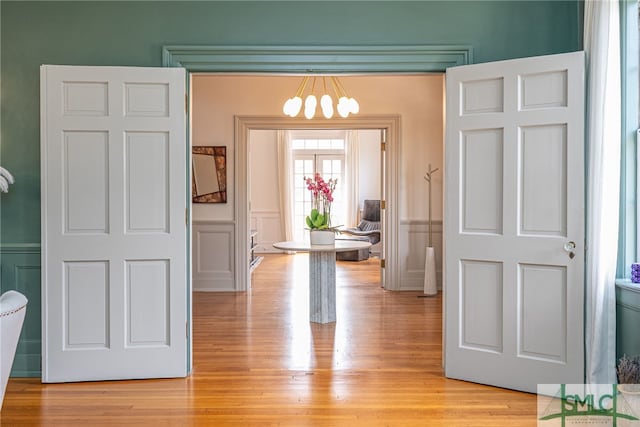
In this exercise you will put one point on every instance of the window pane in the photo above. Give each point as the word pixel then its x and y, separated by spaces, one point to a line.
pixel 309 159
pixel 336 167
pixel 324 144
pixel 308 167
pixel 326 167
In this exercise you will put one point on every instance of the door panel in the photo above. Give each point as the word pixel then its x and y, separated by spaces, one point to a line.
pixel 481 286
pixel 514 178
pixel 85 314
pixel 543 180
pixel 86 183
pixel 113 223
pixel 543 307
pixel 482 181
pixel 147 182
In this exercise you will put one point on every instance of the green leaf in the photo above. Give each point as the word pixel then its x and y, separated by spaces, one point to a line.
pixel 317 221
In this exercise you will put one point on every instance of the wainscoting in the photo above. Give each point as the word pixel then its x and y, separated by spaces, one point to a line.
pixel 213 256
pixel 20 271
pixel 269 230
pixel 412 242
pixel 627 318
pixel 414 238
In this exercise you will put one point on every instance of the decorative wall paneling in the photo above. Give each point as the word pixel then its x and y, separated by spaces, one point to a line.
pixel 414 238
pixel 213 256
pixel 269 230
pixel 20 271
pixel 627 318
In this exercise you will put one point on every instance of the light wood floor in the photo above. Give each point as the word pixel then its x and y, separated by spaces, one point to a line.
pixel 259 362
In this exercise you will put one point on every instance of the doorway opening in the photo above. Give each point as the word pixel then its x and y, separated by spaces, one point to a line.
pixel 280 161
pixel 387 126
pixel 226 108
pixel 414 113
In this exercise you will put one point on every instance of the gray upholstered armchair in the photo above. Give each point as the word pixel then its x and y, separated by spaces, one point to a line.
pixel 369 226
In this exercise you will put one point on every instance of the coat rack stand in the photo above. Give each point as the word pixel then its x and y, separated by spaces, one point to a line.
pixel 430 284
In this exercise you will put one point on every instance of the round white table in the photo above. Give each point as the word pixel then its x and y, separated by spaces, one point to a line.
pixel 322 274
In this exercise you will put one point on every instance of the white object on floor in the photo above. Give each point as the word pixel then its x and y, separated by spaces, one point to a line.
pixel 430 285
pixel 12 310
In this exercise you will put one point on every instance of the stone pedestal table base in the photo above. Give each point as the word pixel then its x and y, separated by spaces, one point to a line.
pixel 322 274
pixel 322 287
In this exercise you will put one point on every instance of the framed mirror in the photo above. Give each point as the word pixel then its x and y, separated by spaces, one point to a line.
pixel 209 167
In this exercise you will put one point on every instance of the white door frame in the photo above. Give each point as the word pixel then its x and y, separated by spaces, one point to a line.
pixel 243 124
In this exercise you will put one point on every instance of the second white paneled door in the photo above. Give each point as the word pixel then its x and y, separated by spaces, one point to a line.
pixel 514 230
pixel 113 223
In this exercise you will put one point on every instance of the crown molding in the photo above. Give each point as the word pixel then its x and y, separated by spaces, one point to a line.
pixel 317 59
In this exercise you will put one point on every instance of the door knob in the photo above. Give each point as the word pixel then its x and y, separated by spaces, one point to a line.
pixel 570 247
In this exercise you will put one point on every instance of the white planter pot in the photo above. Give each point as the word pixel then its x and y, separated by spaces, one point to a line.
pixel 322 237
pixel 630 394
pixel 430 285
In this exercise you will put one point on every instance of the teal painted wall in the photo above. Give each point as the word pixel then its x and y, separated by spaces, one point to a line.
pixel 133 33
pixel 21 271
pixel 627 319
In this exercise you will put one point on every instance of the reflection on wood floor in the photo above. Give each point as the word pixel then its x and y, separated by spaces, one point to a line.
pixel 258 361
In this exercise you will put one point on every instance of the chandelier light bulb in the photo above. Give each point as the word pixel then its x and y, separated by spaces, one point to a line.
pixel 296 105
pixel 343 107
pixel 310 106
pixel 292 106
pixel 354 107
pixel 327 106
pixel 288 107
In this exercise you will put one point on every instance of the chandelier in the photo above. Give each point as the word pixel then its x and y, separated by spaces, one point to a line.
pixel 345 106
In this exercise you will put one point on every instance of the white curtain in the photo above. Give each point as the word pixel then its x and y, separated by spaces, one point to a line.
pixel 602 48
pixel 352 173
pixel 285 183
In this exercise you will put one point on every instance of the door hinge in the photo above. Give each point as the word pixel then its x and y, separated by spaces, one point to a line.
pixel 186 216
pixel 383 146
pixel 186 103
pixel 382 263
pixel 186 329
pixel 383 204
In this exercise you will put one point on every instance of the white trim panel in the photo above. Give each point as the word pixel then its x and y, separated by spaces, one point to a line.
pixel 213 256
pixel 269 227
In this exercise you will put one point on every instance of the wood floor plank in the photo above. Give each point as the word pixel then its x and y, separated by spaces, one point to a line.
pixel 257 361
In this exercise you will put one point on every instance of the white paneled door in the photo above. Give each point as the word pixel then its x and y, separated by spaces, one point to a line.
pixel 514 234
pixel 113 158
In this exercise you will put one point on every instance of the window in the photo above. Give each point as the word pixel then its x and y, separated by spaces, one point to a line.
pixel 318 144
pixel 311 156
pixel 629 234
